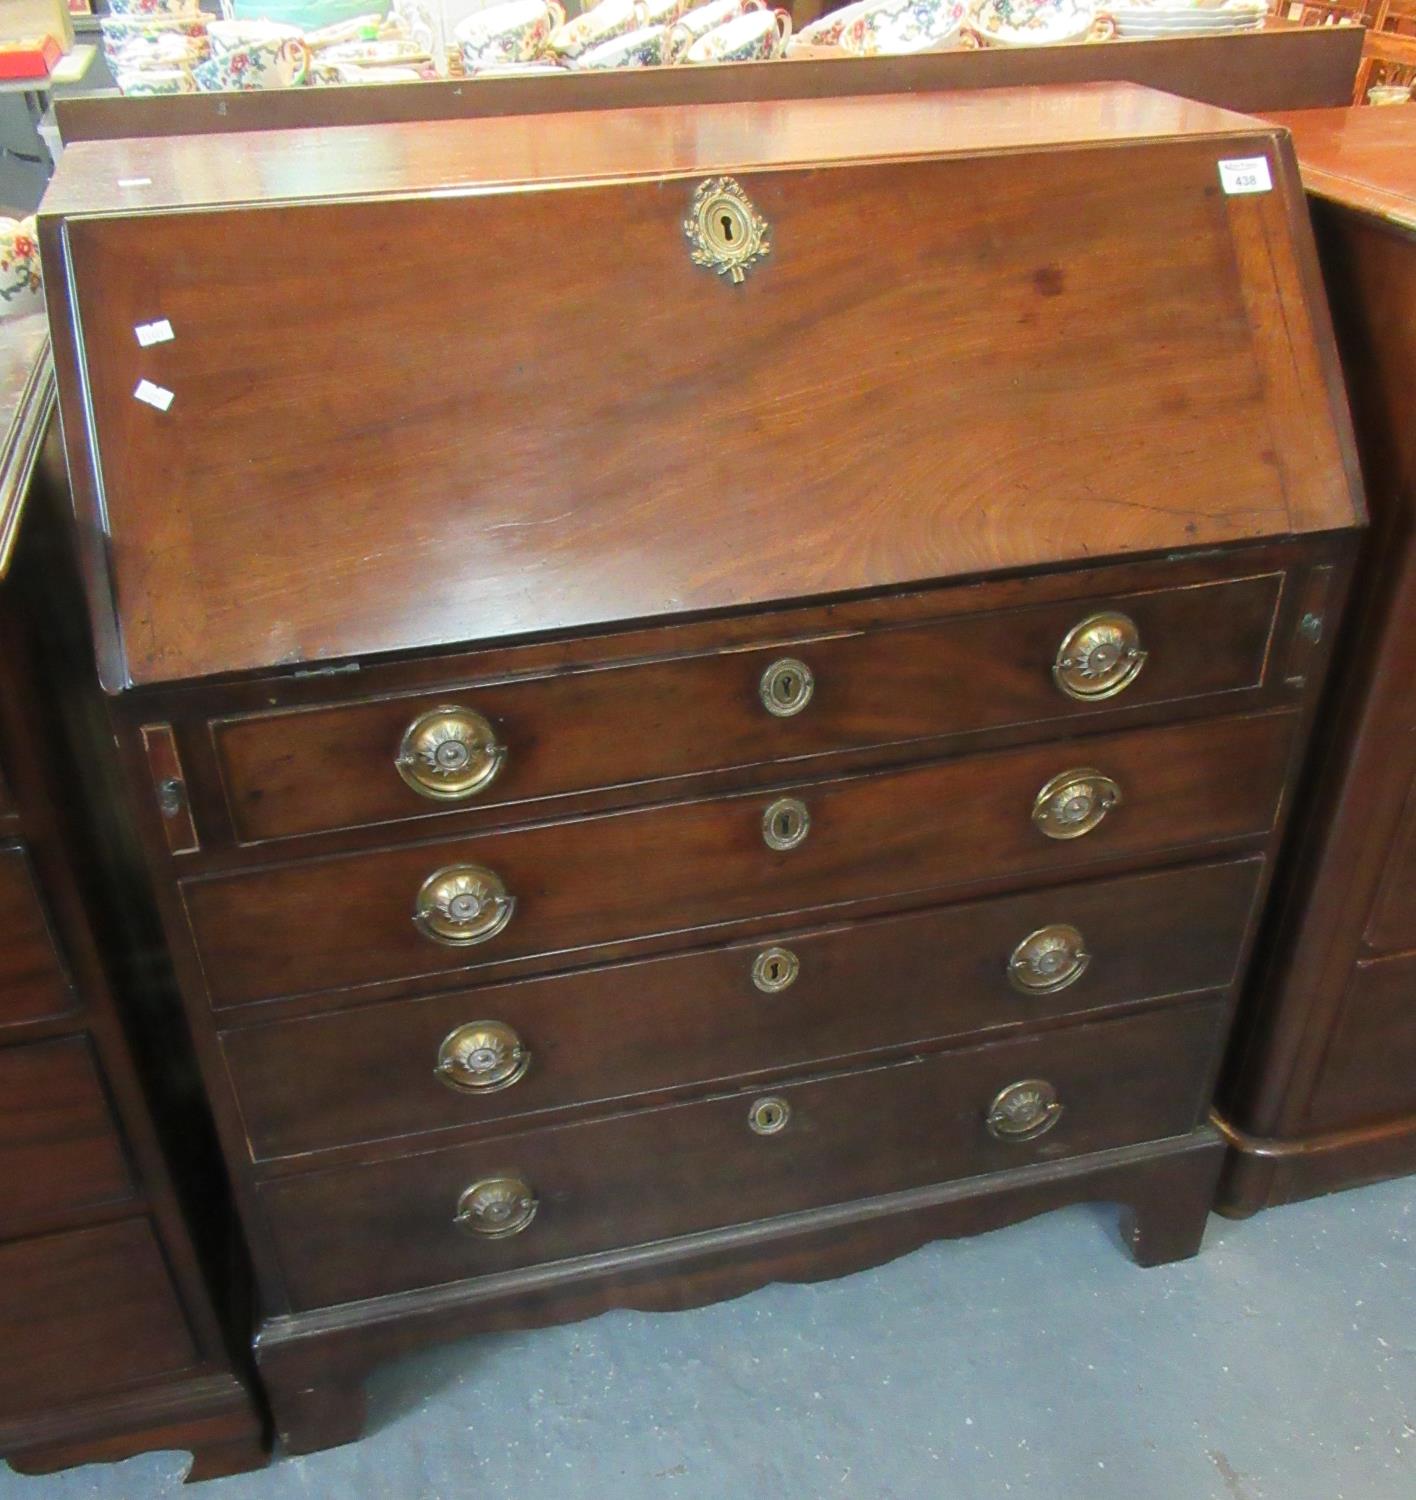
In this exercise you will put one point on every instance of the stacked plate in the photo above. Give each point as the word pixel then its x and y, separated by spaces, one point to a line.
pixel 1171 19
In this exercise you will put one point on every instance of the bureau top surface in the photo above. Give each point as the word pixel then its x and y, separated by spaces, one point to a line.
pixel 1362 158
pixel 437 384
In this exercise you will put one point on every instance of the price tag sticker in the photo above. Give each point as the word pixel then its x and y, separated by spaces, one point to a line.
pixel 155 395
pixel 1245 174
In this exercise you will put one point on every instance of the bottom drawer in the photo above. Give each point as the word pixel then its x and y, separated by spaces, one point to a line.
pixel 369 1230
pixel 85 1313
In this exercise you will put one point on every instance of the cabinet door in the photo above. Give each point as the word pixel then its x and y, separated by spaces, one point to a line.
pixel 1393 923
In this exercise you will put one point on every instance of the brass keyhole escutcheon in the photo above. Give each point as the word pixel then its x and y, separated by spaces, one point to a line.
pixel 724 231
pixel 482 1057
pixel 497 1207
pixel 1099 657
pixel 450 753
pixel 768 1116
pixel 786 687
pixel 1023 1111
pixel 1074 802
pixel 1048 960
pixel 785 823
pixel 774 970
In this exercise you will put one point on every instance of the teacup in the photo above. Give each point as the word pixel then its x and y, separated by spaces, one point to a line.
pixel 515 31
pixel 394 52
pixel 166 51
pixel 271 57
pixel 19 265
pixel 610 18
pixel 648 47
pixel 122 31
pixel 705 18
pixel 826 30
pixel 138 82
pixel 663 12
pixel 1389 93
pixel 895 27
pixel 153 10
pixel 754 37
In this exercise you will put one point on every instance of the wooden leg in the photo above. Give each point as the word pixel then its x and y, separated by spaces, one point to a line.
pixel 310 1416
pixel 1166 1221
pixel 220 1458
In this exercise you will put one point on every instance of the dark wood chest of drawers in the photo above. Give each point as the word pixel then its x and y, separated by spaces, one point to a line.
pixel 109 1338
pixel 727 758
pixel 1322 1092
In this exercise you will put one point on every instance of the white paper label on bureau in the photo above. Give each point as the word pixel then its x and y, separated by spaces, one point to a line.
pixel 1245 174
pixel 159 332
pixel 155 395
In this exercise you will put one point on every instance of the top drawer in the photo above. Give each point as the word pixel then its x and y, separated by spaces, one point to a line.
pixel 313 770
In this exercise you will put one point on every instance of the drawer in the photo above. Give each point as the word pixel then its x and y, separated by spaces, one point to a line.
pixel 1370 1069
pixel 309 770
pixel 32 979
pixel 370 1230
pixel 698 1018
pixel 85 1313
pixel 652 872
pixel 59 1148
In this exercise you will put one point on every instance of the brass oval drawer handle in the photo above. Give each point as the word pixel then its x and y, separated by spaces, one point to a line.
pixel 450 753
pixel 786 687
pixel 1099 657
pixel 768 1116
pixel 775 969
pixel 462 904
pixel 1023 1111
pixel 1074 802
pixel 785 823
pixel 497 1207
pixel 482 1057
pixel 1048 960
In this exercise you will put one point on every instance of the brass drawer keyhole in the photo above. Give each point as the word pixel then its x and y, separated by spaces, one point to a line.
pixel 775 969
pixel 786 687
pixel 768 1116
pixel 785 823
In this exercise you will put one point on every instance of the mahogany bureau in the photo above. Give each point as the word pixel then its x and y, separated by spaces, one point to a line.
pixel 1321 1092
pixel 710 691
pixel 109 1340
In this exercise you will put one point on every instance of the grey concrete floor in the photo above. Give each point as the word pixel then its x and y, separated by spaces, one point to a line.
pixel 1037 1361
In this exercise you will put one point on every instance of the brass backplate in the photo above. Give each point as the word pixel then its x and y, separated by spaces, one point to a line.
pixel 1074 802
pixel 481 1057
pixel 1048 960
pixel 450 753
pixel 1099 657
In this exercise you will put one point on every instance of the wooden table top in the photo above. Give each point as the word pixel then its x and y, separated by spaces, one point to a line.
pixel 1363 158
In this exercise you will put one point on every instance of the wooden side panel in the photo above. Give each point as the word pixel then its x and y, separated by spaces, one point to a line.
pixel 1371 1064
pixel 932 374
pixel 1393 923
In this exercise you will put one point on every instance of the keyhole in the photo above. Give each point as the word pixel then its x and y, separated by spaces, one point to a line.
pixel 786 688
pixel 768 1116
pixel 774 969
pixel 727 222
pixel 785 823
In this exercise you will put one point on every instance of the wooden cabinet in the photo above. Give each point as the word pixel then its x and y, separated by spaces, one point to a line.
pixel 659 780
pixel 110 1342
pixel 1320 1092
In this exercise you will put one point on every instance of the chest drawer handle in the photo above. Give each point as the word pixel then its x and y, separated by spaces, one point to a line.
pixel 786 687
pixel 1048 960
pixel 785 823
pixel 482 1057
pixel 1099 657
pixel 450 753
pixel 462 904
pixel 1023 1111
pixel 497 1207
pixel 1074 802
